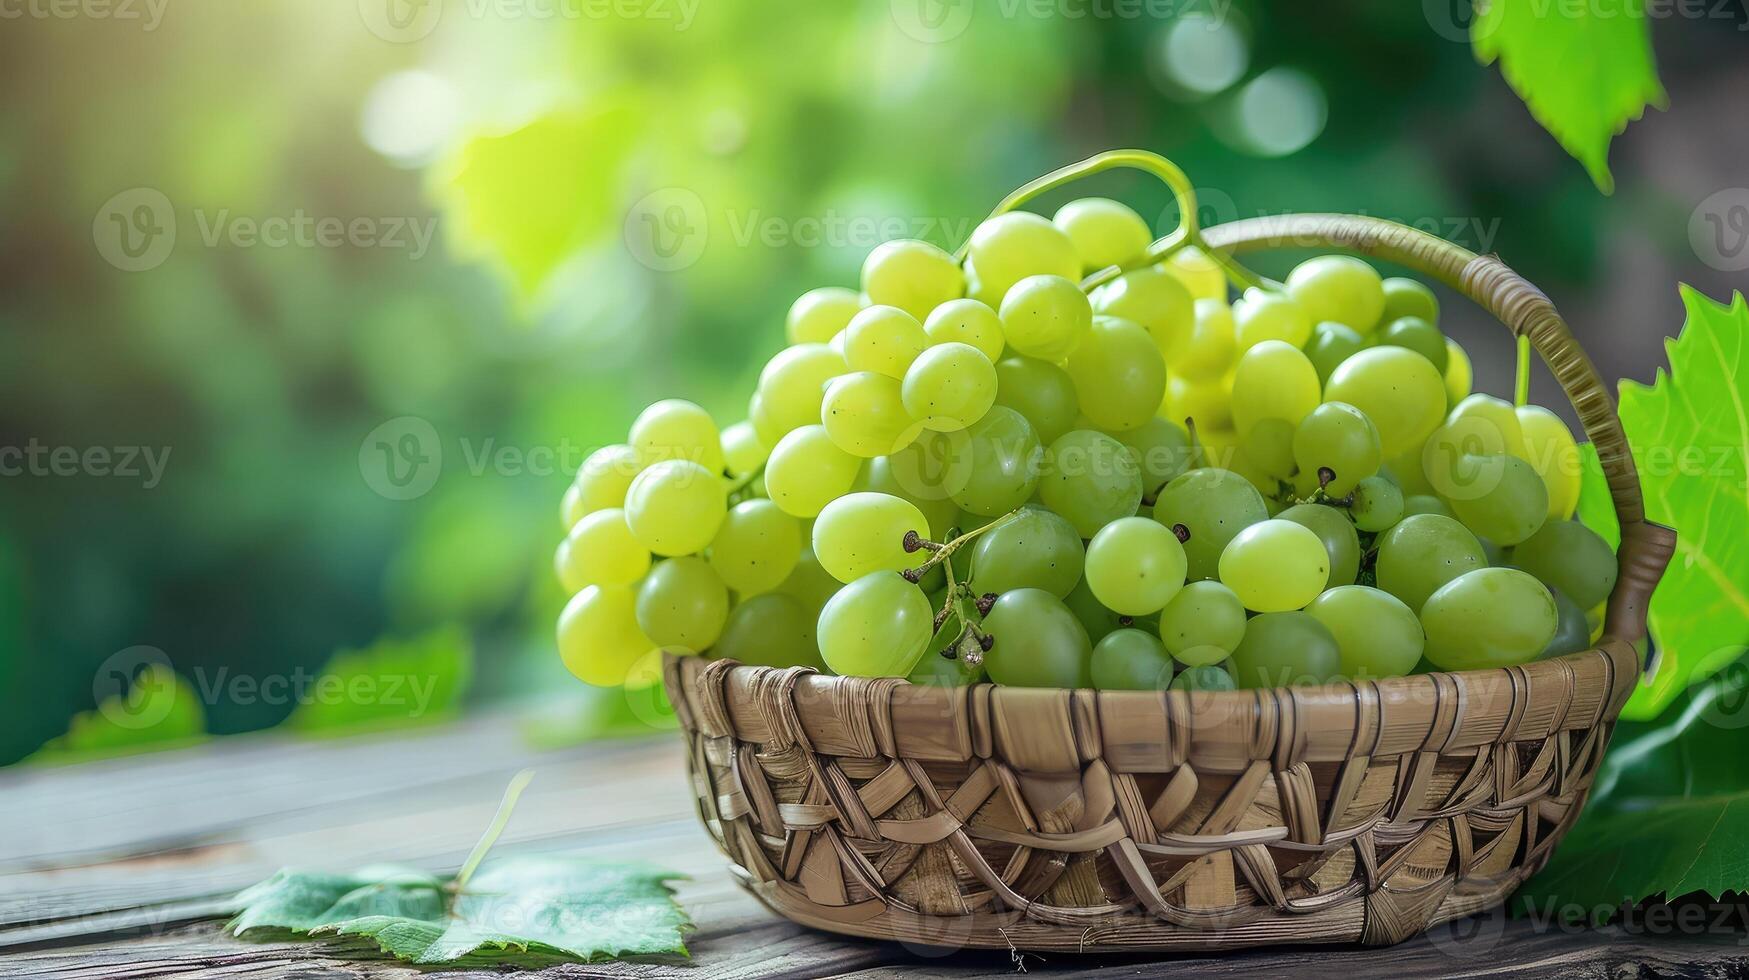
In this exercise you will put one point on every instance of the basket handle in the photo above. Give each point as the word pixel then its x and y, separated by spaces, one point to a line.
pixel 1646 548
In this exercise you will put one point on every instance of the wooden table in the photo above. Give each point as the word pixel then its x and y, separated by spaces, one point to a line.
pixel 124 869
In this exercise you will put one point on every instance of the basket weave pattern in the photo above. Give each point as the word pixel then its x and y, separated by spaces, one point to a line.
pixel 1081 820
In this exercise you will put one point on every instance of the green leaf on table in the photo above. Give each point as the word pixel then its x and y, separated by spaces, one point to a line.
pixel 1689 433
pixel 519 911
pixel 159 710
pixel 392 683
pixel 1584 71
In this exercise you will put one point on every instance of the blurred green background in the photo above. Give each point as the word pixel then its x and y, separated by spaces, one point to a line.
pixel 369 279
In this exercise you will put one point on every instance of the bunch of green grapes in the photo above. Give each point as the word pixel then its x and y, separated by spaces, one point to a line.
pixel 976 469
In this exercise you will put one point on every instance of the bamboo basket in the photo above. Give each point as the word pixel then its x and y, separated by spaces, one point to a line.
pixel 1124 821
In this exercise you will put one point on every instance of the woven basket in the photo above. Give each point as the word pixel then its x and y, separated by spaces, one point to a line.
pixel 1111 821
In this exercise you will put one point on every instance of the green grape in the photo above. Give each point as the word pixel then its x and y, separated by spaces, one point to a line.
pixel 603 479
pixel 1480 425
pixel 1211 506
pixel 1154 298
pixel 1506 500
pixel 790 389
pixel 1422 503
pixel 1273 381
pixel 1377 635
pixel 966 321
pixel 1162 451
pixel 683 603
pixel 819 314
pixel 914 276
pixel 1408 297
pixel 571 507
pixel 770 630
pixel 765 423
pixel 601 550
pixel 1339 288
pixel 885 340
pixel 1572 558
pixel 1091 479
pixel 939 671
pixel 599 638
pixel 1419 336
pixel 1262 315
pixel 1105 233
pixel 1549 446
pixel 877 626
pixel 1118 374
pixel 1135 566
pixel 743 453
pixel 1282 649
pixel 1458 373
pixel 1038 642
pixel 1045 317
pixel 677 429
pixel 1002 459
pixel 1337 532
pixel 1009 247
pixel 1210 350
pixel 1423 552
pixel 1130 660
pixel 1209 677
pixel 1039 390
pixel 1200 274
pixel 1491 617
pixel 1331 344
pixel 807 471
pixel 1203 623
pixel 1408 473
pixel 864 414
pixel 1275 566
pixel 675 507
pixel 1397 389
pixel 1035 549
pixel 755 549
pixel 1267 453
pixel 862 533
pixel 1205 401
pixel 1097 620
pixel 949 386
pixel 810 584
pixel 897 475
pixel 1572 632
pixel 1339 438
pixel 1377 504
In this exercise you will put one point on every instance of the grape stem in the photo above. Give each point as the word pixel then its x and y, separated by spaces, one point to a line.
pixel 743 482
pixel 1521 390
pixel 942 552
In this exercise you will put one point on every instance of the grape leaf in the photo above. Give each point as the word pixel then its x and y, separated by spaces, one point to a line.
pixel 1584 71
pixel 159 710
pixel 1689 433
pixel 1596 507
pixel 390 684
pixel 520 911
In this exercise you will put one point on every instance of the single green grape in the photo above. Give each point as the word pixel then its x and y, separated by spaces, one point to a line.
pixel 1267 450
pixel 743 452
pixel 966 321
pixel 1331 344
pixel 683 604
pixel 1273 381
pixel 1207 677
pixel 1423 552
pixel 1205 401
pixel 1491 617
pixel 1203 623
pixel 1419 336
pixel 1162 451
pixel 1376 635
pixel 1154 298
pixel 756 548
pixel 996 463
pixel 1212 347
pixel 1038 642
pixel 1105 232
pixel 877 626
pixel 1503 498
pixel 1408 297
pixel 1118 373
pixel 903 475
pixel 1009 247
pixel 1337 532
pixel 1045 317
pixel 911 275
pixel 1397 389
pixel 791 387
pixel 1549 446
pixel 1035 549
pixel 675 507
pixel 1572 632
pixel 1135 566
pixel 949 386
pixel 864 414
pixel 1485 425
pixel 1339 288
pixel 1459 373
pixel 1200 274
pixel 602 550
pixel 819 314
pixel 1283 649
pixel 677 429
pixel 1130 660
pixel 885 340
pixel 1422 503
pixel 1572 558
pixel 810 584
pixel 603 479
pixel 1040 391
pixel 599 638
pixel 1262 315
pixel 770 630
pixel 1275 566
pixel 1091 479
pixel 862 533
pixel 1097 620
pixel 1338 438
pixel 1377 504
pixel 1211 506
pixel 807 471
